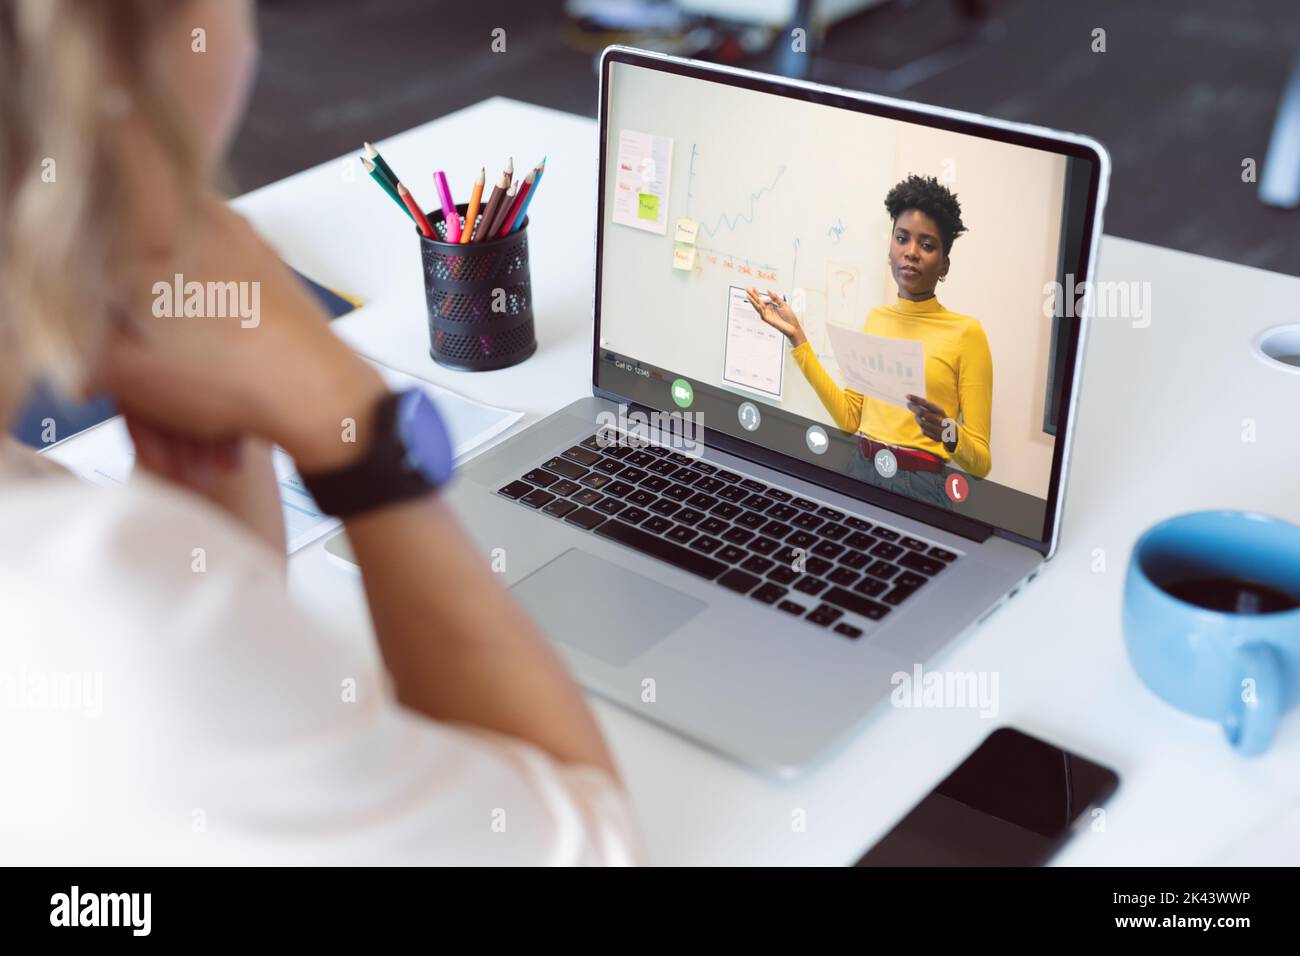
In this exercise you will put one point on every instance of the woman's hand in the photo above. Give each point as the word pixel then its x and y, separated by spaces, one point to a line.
pixel 280 374
pixel 933 420
pixel 287 379
pixel 235 474
pixel 776 312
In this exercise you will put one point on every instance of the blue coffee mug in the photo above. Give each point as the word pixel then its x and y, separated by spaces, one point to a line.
pixel 1242 670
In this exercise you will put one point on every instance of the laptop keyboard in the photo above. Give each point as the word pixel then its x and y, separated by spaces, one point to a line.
pixel 794 554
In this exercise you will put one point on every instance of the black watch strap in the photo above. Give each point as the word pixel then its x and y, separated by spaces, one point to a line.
pixel 381 476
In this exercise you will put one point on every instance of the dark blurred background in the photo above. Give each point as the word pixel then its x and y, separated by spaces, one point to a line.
pixel 1185 91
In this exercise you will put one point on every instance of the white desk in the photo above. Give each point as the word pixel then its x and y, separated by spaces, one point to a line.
pixel 1160 432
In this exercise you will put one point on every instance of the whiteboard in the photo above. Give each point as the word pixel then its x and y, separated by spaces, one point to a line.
pixel 787 195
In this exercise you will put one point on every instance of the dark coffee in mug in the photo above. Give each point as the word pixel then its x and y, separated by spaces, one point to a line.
pixel 1211 611
pixel 1232 595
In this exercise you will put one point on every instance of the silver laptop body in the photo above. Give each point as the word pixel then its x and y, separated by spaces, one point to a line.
pixel 748 678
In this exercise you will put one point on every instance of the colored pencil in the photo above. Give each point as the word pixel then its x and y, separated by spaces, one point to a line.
pixel 506 201
pixel 490 210
pixel 515 206
pixel 523 209
pixel 417 213
pixel 373 155
pixel 449 214
pixel 507 177
pixel 378 177
pixel 467 230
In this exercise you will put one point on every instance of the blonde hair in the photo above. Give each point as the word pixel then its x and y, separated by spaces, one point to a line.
pixel 70 71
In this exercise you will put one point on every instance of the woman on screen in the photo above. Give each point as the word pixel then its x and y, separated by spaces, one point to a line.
pixel 950 426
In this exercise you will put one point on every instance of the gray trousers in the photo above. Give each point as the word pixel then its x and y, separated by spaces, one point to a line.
pixel 924 486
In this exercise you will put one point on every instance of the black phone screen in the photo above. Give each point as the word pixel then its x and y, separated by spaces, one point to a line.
pixel 1012 802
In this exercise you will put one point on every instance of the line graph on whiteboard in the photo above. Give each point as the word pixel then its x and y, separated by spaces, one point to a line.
pixel 721 233
pixel 782 221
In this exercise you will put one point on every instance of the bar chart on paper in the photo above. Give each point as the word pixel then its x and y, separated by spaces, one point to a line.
pixel 879 362
pixel 879 367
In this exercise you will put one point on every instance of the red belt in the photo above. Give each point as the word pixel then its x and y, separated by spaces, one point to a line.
pixel 909 459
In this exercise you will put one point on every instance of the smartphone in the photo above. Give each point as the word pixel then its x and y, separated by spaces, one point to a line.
pixel 1013 802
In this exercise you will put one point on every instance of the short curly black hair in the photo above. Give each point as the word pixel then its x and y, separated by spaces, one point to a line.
pixel 926 194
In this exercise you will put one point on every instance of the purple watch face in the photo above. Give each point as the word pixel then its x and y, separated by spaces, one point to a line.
pixel 424 436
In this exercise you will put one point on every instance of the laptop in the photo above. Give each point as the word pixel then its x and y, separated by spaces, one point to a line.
pixel 748 541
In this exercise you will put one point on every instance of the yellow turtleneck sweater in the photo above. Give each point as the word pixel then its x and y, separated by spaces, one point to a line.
pixel 958 378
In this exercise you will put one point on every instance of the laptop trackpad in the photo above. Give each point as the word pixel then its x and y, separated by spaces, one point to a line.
pixel 609 612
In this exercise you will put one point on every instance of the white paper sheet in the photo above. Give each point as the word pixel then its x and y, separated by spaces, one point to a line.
pixel 104 455
pixel 754 354
pixel 879 367
pixel 645 165
pixel 470 423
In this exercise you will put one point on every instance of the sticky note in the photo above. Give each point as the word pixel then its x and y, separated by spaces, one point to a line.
pixel 645 163
pixel 683 257
pixel 687 229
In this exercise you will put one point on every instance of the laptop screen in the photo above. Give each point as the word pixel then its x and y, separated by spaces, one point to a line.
pixel 879 296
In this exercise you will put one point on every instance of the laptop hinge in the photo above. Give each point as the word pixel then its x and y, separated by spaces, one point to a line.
pixel 957 524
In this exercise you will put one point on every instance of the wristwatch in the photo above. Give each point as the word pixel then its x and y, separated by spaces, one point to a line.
pixel 409 455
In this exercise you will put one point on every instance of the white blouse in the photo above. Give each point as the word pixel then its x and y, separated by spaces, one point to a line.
pixel 162 704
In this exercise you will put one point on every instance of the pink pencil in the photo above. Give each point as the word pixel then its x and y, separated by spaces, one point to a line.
pixel 449 213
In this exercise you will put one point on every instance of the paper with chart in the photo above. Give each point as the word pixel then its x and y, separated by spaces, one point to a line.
pixel 104 455
pixel 645 166
pixel 754 356
pixel 879 367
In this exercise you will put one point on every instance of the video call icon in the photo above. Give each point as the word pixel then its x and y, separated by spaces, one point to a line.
pixel 682 393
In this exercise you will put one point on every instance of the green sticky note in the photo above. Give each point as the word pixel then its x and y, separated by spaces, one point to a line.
pixel 647 206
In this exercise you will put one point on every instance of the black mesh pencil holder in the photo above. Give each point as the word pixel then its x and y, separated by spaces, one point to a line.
pixel 479 297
